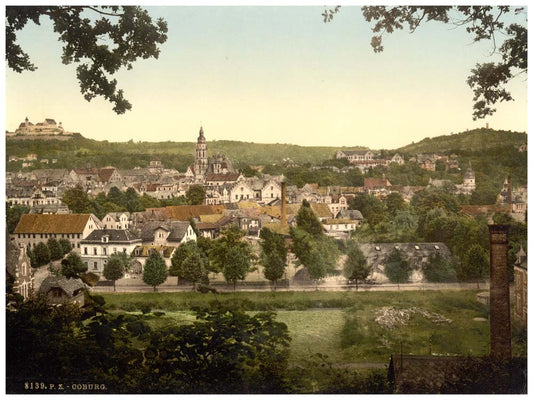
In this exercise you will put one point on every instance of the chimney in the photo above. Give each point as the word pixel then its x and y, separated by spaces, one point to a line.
pixel 500 310
pixel 283 200
pixel 510 194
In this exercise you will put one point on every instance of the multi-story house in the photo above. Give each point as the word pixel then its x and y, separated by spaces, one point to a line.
pixel 100 244
pixel 117 220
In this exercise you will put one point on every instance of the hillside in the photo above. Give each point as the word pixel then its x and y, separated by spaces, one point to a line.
pixel 81 152
pixel 474 140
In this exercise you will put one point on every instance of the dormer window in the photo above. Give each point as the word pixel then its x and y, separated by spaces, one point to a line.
pixel 417 247
pixel 378 248
pixel 105 239
pixel 437 247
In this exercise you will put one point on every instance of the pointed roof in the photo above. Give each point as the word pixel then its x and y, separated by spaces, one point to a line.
pixel 469 174
pixel 201 138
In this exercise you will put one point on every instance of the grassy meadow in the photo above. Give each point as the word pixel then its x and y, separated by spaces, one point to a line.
pixel 343 326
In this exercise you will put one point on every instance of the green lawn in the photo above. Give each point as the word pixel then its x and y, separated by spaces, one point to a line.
pixel 342 325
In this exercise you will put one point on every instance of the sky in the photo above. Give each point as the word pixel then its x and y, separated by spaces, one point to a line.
pixel 271 74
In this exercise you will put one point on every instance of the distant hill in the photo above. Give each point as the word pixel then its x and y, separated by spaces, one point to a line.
pixel 474 140
pixel 81 152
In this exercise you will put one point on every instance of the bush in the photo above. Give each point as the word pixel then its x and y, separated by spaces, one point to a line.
pixel 146 309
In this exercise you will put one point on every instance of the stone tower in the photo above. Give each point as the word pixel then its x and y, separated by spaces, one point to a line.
pixel 469 181
pixel 200 164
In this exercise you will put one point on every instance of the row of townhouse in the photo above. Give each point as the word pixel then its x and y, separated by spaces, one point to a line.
pixel 164 229
pixel 93 240
pixel 234 187
pixel 365 159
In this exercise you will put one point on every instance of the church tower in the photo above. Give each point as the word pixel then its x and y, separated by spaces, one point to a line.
pixel 469 181
pixel 200 164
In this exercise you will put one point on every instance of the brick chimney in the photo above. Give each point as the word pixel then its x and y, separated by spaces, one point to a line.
pixel 283 202
pixel 500 309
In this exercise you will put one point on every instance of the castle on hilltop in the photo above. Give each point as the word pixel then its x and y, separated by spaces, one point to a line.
pixel 47 127
pixel 204 165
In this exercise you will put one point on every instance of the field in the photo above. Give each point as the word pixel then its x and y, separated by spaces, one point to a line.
pixel 346 328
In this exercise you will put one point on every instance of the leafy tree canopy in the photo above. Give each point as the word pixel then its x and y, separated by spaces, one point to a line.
pixel 231 255
pixel 72 266
pixel 155 270
pixel 100 40
pixel 397 268
pixel 41 254
pixel 273 254
pixel 355 266
pixel 190 264
pixel 307 220
pixel 195 194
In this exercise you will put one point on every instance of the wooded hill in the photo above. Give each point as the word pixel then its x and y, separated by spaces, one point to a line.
pixel 474 140
pixel 81 152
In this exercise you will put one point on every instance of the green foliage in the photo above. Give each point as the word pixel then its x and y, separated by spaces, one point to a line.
pixel 307 220
pixel 66 246
pixel 371 207
pixel 469 143
pixel 72 266
pixel 77 200
pixel 318 253
pixel 190 264
pixel 273 255
pixel 225 351
pixel 439 269
pixel 431 198
pixel 355 266
pixel 41 254
pixel 195 194
pixel 155 270
pixel 114 268
pixel 475 264
pixel 395 203
pixel 231 255
pixel 82 341
pixel 56 250
pixel 397 268
pixel 128 32
pixel 13 214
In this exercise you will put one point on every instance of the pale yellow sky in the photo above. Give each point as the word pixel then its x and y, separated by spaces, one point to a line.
pixel 271 75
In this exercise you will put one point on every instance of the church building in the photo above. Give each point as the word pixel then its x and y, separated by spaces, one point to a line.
pixel 204 165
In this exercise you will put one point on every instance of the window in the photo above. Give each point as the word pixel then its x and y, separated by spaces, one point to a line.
pixel 85 250
pixel 95 250
pixel 95 265
pixel 105 251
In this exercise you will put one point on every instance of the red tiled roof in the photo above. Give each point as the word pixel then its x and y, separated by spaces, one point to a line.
pixel 105 174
